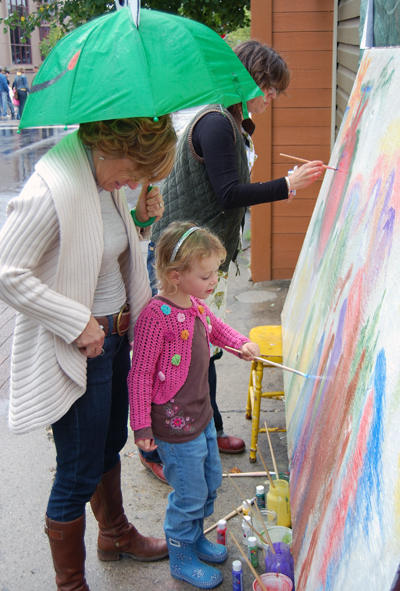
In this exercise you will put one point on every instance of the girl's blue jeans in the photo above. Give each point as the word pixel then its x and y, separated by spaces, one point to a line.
pixel 91 434
pixel 194 471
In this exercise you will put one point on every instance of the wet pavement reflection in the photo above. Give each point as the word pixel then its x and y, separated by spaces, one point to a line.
pixel 18 155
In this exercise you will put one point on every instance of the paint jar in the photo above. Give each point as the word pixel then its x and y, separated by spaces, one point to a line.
pixel 281 561
pixel 278 500
pixel 270 519
pixel 221 532
pixel 260 496
pixel 237 576
pixel 246 529
pixel 247 507
pixel 282 476
pixel 252 551
pixel 274 582
pixel 278 533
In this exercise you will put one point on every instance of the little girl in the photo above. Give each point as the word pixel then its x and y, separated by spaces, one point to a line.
pixel 169 397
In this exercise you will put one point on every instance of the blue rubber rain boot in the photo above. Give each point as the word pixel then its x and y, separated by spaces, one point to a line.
pixel 185 565
pixel 209 551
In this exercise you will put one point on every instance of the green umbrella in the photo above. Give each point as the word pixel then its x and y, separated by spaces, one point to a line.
pixel 108 69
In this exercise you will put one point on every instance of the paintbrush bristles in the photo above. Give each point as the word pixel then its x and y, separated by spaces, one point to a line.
pixel 263 587
pixel 265 467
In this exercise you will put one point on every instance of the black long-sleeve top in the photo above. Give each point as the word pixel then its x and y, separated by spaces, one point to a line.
pixel 213 140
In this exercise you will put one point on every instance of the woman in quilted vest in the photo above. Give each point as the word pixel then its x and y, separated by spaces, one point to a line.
pixel 71 266
pixel 169 394
pixel 210 185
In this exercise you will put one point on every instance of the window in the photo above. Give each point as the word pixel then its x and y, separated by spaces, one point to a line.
pixel 44 32
pixel 21 52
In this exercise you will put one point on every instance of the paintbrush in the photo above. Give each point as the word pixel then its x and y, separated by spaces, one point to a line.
pixel 264 541
pixel 258 512
pixel 272 450
pixel 229 516
pixel 300 373
pixel 253 570
pixel 304 160
pixel 266 469
pixel 247 474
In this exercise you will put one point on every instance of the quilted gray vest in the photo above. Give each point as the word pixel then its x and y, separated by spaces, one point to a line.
pixel 189 196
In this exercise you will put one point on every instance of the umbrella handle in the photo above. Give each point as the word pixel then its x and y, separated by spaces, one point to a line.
pixel 136 221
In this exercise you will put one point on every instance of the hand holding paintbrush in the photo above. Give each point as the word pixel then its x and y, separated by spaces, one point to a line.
pixel 305 175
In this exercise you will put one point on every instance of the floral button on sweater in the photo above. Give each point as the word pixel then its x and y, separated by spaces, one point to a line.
pixel 162 351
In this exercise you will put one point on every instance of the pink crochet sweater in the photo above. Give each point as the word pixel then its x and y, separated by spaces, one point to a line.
pixel 162 351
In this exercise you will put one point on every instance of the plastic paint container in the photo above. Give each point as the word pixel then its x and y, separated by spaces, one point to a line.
pixel 247 507
pixel 274 582
pixel 270 520
pixel 278 500
pixel 278 533
pixel 281 561
pixel 260 496
pixel 252 551
pixel 221 532
pixel 237 576
pixel 246 529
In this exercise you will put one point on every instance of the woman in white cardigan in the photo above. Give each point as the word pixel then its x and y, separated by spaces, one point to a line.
pixel 70 264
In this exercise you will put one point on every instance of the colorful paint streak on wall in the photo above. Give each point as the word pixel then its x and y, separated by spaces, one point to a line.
pixel 341 322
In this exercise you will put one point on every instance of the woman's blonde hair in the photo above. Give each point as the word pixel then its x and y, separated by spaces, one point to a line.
pixel 149 144
pixel 199 244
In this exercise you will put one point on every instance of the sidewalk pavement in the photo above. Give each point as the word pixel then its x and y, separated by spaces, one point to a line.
pixel 29 466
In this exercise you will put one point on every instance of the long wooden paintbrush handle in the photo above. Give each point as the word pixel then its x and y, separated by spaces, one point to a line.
pixel 299 373
pixel 304 160
pixel 265 466
pixel 267 541
pixel 257 509
pixel 227 517
pixel 263 587
pixel 272 451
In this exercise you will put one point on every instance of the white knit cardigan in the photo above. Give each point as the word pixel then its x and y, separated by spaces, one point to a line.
pixel 48 273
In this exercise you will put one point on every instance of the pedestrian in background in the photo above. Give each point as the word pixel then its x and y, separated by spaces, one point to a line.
pixel 9 96
pixel 3 95
pixel 36 70
pixel 21 84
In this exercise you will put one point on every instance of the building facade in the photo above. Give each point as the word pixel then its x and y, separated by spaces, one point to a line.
pixel 13 52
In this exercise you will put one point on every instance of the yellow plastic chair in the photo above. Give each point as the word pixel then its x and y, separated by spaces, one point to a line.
pixel 269 339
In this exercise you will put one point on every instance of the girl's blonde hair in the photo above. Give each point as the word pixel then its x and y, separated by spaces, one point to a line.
pixel 149 144
pixel 199 244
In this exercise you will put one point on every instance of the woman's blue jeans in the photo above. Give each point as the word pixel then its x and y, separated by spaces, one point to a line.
pixel 194 471
pixel 91 434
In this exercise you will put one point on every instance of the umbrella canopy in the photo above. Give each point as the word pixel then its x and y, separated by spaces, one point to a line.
pixel 109 69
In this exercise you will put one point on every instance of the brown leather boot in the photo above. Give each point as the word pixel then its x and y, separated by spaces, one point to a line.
pixel 117 536
pixel 68 552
